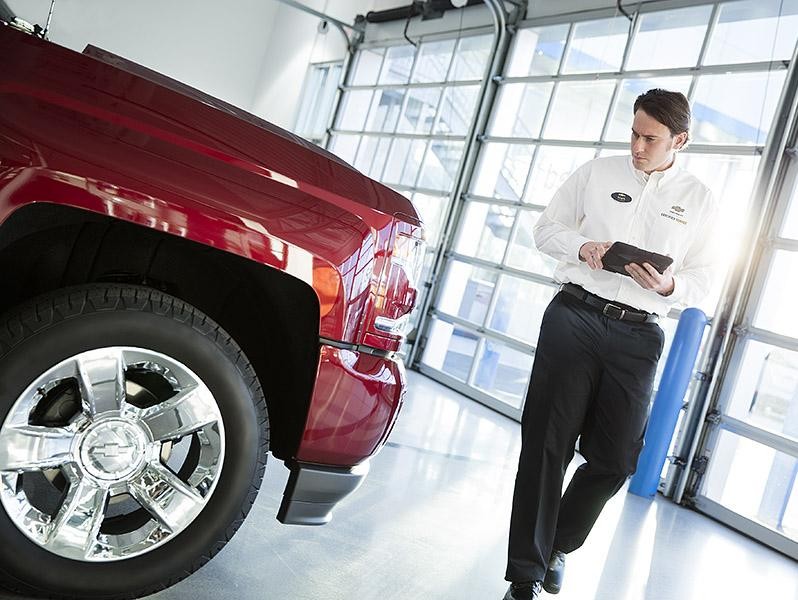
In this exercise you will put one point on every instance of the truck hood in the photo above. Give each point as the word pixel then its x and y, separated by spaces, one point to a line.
pixel 219 131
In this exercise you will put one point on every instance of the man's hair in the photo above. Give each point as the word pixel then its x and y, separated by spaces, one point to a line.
pixel 669 108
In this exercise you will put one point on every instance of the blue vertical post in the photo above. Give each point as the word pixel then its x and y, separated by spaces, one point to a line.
pixel 668 403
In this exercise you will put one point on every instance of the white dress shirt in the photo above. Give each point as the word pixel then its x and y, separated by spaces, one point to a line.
pixel 607 199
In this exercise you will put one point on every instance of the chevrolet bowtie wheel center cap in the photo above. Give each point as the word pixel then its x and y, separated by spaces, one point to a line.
pixel 113 449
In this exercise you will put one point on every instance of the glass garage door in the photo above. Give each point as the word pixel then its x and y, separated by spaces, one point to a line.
pixel 752 476
pixel 565 97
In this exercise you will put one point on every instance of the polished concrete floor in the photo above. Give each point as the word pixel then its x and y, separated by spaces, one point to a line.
pixel 430 522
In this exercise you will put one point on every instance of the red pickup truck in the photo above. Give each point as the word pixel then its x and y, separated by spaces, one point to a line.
pixel 185 288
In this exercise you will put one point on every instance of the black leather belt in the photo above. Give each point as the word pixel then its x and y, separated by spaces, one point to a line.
pixel 607 308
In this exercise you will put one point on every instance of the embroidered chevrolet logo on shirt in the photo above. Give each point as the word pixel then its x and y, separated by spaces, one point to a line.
pixel 676 213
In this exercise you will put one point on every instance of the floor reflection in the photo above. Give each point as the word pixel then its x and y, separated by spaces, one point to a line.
pixel 431 523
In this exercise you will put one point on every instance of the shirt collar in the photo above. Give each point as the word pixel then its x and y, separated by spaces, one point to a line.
pixel 658 177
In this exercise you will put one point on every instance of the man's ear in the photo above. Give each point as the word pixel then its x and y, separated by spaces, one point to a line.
pixel 680 140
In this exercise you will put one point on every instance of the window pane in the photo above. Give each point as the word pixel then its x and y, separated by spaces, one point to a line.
pixel 520 109
pixel 404 159
pixel 365 154
pixel 385 109
pixel 484 231
pixel 440 165
pixel 413 162
pixel 380 155
pixel 579 110
pixel 597 46
pixel 398 62
pixel 354 108
pixel 503 372
pixel 450 349
pixel 502 170
pixel 426 275
pixel 621 121
pixel 537 51
pixel 466 291
pixel 470 59
pixel 457 109
pixel 523 253
pixel 613 152
pixel 420 109
pixel 520 307
pixel 752 31
pixel 775 311
pixel 433 61
pixel 669 39
pixel 326 102
pixel 755 481
pixel 431 209
pixel 735 108
pixel 552 167
pixel 367 67
pixel 396 160
pixel 345 147
pixel 765 391
pixel 790 225
pixel 318 99
pixel 731 179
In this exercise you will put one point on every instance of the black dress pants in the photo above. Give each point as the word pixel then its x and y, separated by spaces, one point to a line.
pixel 592 377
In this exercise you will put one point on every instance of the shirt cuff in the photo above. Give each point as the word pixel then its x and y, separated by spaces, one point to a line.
pixel 677 293
pixel 574 246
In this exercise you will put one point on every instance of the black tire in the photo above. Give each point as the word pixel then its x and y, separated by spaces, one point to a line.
pixel 64 323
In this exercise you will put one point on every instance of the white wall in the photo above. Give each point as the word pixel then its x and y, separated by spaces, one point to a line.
pixel 251 53
pixel 195 42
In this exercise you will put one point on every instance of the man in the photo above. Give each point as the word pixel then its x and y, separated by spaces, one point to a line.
pixel 599 341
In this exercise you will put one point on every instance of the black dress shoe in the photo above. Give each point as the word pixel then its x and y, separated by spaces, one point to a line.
pixel 554 574
pixel 529 590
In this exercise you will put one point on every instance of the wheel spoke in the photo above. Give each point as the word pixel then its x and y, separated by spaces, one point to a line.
pixel 102 380
pixel 77 524
pixel 32 447
pixel 166 497
pixel 188 411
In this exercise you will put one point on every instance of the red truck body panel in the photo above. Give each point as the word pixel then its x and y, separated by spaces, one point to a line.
pixel 344 432
pixel 81 132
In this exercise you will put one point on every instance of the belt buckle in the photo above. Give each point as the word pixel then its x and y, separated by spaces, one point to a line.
pixel 620 314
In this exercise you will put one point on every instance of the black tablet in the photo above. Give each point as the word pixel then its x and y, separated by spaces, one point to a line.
pixel 619 255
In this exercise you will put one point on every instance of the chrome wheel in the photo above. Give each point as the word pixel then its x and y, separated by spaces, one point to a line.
pixel 110 453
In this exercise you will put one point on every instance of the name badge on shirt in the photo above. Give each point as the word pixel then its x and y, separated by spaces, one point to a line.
pixel 621 197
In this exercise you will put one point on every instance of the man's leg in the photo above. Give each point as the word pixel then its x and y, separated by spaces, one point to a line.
pixel 613 434
pixel 564 377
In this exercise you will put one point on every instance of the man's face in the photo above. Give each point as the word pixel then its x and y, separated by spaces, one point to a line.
pixel 653 146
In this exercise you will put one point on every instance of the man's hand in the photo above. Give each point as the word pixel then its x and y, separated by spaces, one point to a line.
pixel 591 253
pixel 647 277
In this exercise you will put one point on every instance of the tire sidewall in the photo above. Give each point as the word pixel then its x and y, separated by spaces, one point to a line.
pixel 215 364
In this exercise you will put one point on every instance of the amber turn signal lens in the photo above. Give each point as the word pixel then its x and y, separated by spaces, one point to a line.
pixel 327 283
